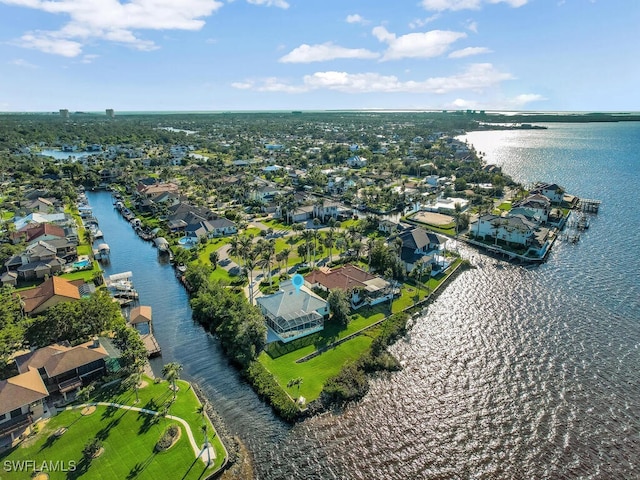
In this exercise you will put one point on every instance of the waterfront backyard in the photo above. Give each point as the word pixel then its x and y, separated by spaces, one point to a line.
pixel 128 437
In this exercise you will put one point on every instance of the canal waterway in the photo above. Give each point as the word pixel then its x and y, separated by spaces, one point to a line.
pixel 512 372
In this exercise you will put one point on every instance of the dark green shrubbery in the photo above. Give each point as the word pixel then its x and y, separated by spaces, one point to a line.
pixel 168 437
pixel 267 387
pixel 352 382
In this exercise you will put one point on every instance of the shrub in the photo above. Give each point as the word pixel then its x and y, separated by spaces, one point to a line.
pixel 267 387
pixel 350 384
pixel 91 448
pixel 168 437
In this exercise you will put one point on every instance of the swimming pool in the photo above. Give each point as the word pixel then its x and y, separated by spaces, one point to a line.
pixel 187 242
pixel 81 264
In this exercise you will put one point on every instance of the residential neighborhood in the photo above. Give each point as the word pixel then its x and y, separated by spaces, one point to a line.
pixel 365 214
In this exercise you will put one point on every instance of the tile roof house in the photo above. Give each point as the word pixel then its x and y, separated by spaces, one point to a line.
pixel 363 287
pixel 21 402
pixel 34 232
pixel 49 293
pixel 292 313
pixel 64 368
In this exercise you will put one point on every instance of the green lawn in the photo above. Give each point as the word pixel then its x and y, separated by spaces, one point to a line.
pixel 280 358
pixel 128 438
pixel 277 224
pixel 315 372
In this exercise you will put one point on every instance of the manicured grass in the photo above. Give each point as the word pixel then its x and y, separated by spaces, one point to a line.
pixel 504 206
pixel 128 438
pixel 315 372
pixel 277 224
pixel 280 359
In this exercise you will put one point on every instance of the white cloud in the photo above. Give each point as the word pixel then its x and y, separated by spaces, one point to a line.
pixel 469 51
pixel 49 44
pixel 525 98
pixel 416 45
pixel 441 5
pixel 20 62
pixel 270 3
pixel 326 51
pixel 421 22
pixel 472 26
pixel 89 58
pixel 355 18
pixel 462 103
pixel 113 21
pixel 476 78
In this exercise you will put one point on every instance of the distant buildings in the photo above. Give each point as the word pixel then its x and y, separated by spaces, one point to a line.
pixel 64 113
pixel 110 113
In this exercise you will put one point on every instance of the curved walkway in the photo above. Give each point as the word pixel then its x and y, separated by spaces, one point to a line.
pixel 199 452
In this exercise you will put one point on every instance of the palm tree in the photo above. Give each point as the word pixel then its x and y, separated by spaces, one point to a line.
pixel 205 432
pixel 234 246
pixel 307 236
pixel 245 245
pixel 133 381
pixel 249 265
pixel 213 258
pixel 171 371
pixel 285 256
pixel 329 241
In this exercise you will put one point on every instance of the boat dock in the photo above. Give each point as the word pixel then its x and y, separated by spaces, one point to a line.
pixel 140 318
pixel 589 205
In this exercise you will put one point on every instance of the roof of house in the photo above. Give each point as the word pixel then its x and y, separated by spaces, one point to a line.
pixel 34 297
pixel 57 359
pixel 21 390
pixel 289 302
pixel 418 238
pixel 36 230
pixel 141 314
pixel 346 277
pixel 535 201
pixel 221 222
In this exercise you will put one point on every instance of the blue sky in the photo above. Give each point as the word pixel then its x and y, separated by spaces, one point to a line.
pixel 544 55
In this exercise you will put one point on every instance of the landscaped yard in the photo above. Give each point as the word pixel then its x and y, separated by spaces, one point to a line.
pixel 128 438
pixel 315 372
pixel 280 358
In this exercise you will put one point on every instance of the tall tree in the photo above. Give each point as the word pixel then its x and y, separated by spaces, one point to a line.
pixel 171 371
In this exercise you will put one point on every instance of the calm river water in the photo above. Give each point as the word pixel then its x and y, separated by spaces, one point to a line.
pixel 512 372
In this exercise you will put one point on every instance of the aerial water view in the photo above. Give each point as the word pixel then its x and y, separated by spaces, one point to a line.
pixel 282 239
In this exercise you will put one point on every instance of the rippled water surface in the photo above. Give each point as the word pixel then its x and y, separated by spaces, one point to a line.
pixel 512 372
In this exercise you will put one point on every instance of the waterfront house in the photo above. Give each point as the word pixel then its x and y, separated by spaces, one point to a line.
pixel 554 192
pixel 362 287
pixel 21 403
pixel 49 293
pixel 420 245
pixel 515 231
pixel 535 207
pixel 291 313
pixel 64 368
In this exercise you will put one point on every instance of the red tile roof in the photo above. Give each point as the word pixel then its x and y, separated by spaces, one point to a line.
pixel 54 286
pixel 346 277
